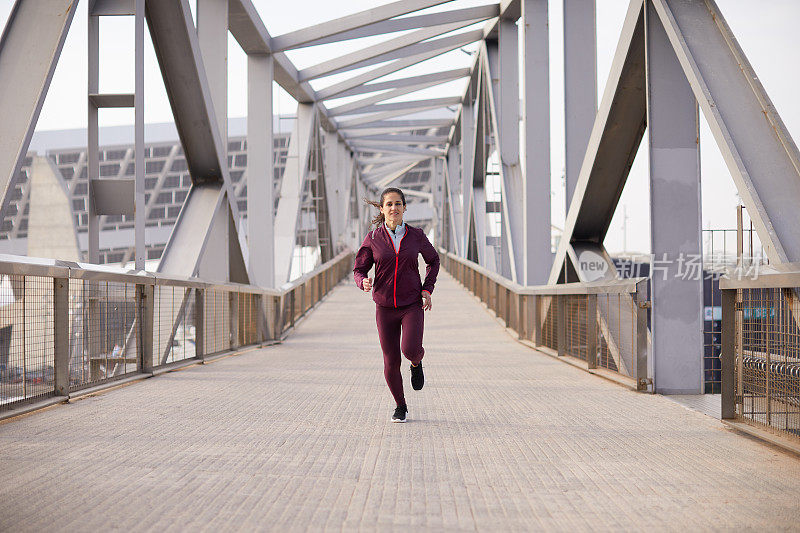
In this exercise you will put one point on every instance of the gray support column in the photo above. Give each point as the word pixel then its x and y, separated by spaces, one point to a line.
pixel 260 170
pixel 503 103
pixel 536 255
pixel 145 295
pixel 212 34
pixel 140 208
pixel 29 50
pixel 591 330
pixel 561 324
pixel 199 323
pixel 467 162
pixel 437 189
pixel 61 342
pixel 233 302
pixel 294 175
pixel 580 84
pixel 728 353
pixel 92 137
pixel 677 292
pixel 454 186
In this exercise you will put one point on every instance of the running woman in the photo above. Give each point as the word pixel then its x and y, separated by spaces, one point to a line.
pixel 399 294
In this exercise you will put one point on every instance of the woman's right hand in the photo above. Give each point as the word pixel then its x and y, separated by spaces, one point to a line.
pixel 366 285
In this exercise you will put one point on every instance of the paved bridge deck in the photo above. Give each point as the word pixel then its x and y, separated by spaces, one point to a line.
pixel 298 436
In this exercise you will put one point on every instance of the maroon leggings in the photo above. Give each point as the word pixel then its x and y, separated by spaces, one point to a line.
pixel 410 319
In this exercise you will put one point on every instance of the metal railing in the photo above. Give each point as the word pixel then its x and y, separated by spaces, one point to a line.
pixel 68 326
pixel 601 324
pixel 761 351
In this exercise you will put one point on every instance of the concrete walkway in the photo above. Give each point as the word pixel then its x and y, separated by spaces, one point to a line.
pixel 297 437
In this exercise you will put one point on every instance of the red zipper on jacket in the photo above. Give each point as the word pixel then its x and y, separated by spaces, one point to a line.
pixel 396 259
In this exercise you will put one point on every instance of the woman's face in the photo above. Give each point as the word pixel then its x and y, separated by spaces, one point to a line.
pixel 393 208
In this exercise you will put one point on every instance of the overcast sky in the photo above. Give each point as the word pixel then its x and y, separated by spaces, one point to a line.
pixel 766 30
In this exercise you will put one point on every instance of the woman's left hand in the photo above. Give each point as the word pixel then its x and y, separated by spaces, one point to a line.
pixel 426 301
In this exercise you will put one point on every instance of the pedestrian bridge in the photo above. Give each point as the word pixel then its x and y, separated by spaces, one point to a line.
pixel 296 435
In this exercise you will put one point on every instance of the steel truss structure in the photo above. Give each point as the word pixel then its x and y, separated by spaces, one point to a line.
pixel 489 191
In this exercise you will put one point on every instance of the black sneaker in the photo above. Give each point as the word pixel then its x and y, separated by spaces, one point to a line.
pixel 417 377
pixel 400 414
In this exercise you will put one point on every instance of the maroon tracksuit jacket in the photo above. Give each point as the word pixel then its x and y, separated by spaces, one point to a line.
pixel 397 280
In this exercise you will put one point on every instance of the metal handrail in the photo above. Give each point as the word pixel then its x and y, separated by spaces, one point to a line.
pixel 105 323
pixel 615 286
pixel 771 278
pixel 55 268
pixel 602 323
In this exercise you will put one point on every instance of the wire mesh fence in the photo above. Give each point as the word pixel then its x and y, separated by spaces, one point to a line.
pixel 72 328
pixel 104 332
pixel 26 338
pixel 251 323
pixel 217 315
pixel 174 324
pixel 577 326
pixel 604 327
pixel 548 312
pixel 767 358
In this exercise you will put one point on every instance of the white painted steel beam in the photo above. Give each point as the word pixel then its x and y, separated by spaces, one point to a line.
pixel 761 156
pixel 30 46
pixel 404 46
pixel 403 139
pixel 112 8
pixel 385 126
pixel 357 106
pixel 177 48
pixel 375 118
pixel 475 14
pixel 139 202
pixel 430 103
pixel 300 37
pixel 453 189
pixel 294 176
pixel 398 64
pixel 675 218
pixel 438 198
pixel 504 128
pixel 467 151
pixel 580 84
pixel 372 161
pixel 399 149
pixel 535 155
pixel 212 36
pixel 372 176
pixel 615 138
pixel 411 81
pixel 260 170
pixel 388 180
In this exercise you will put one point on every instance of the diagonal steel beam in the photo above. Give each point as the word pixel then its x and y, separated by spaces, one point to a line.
pixel 398 149
pixel 475 14
pixel 616 135
pixel 375 118
pixel 300 37
pixel 410 105
pixel 355 107
pixel 406 139
pixel 399 47
pixel 356 133
pixel 373 161
pixel 761 156
pixel 412 81
pixel 383 70
pixel 29 50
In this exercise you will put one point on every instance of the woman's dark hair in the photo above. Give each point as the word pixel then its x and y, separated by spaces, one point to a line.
pixel 378 220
